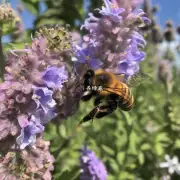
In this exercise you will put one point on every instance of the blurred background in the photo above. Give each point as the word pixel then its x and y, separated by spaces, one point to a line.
pixel 133 145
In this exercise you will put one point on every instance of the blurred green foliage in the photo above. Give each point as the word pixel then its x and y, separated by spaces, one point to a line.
pixel 131 144
pixel 61 12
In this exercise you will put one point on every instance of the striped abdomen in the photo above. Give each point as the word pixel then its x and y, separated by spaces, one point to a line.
pixel 126 99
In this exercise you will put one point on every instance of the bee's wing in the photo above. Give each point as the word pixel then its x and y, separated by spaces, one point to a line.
pixel 138 79
pixel 121 77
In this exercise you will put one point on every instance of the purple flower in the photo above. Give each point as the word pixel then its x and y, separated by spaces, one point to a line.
pixel 138 15
pixel 128 68
pixel 43 98
pixel 4 128
pixel 44 117
pixel 92 167
pixel 132 53
pixel 23 120
pixel 139 39
pixel 54 77
pixel 28 134
pixel 111 9
pixel 87 56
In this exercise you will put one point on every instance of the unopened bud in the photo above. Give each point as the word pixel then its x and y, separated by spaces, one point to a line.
pixel 169 34
pixel 157 36
pixel 178 30
pixel 165 71
pixel 155 9
pixel 169 24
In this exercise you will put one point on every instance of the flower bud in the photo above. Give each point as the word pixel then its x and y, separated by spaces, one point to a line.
pixel 169 34
pixel 165 71
pixel 155 9
pixel 178 30
pixel 157 36
pixel 169 24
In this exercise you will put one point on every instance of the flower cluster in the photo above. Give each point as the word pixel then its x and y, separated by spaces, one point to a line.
pixel 10 20
pixel 28 164
pixel 6 13
pixel 59 39
pixel 33 76
pixel 91 166
pixel 113 41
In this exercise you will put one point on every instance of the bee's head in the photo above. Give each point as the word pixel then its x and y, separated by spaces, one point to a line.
pixel 89 73
pixel 102 78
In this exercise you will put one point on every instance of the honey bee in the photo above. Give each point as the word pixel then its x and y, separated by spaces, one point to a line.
pixel 111 88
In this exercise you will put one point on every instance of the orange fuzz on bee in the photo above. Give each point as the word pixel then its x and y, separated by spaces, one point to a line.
pixel 109 88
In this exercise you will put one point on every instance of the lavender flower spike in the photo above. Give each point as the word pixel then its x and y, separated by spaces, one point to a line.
pixel 92 167
pixel 115 36
pixel 54 77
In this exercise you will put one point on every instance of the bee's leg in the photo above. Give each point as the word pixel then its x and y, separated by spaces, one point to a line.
pixel 90 116
pixel 105 110
pixel 109 108
pixel 97 100
pixel 87 96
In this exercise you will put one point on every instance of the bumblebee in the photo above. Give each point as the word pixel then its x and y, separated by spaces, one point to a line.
pixel 109 88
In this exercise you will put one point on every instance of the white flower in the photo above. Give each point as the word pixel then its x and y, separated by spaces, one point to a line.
pixel 173 164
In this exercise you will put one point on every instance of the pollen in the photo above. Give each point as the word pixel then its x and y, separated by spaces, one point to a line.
pixel 114 6
pixel 22 78
pixel 123 54
pixel 47 164
pixel 36 97
pixel 87 58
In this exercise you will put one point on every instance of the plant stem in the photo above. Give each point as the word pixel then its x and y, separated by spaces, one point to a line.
pixel 1 55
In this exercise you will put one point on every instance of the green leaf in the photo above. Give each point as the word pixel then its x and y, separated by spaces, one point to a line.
pixel 49 21
pixel 141 158
pixel 133 142
pixel 177 144
pixel 121 157
pixel 68 174
pixel 126 176
pixel 145 147
pixel 32 6
pixel 108 150
pixel 11 46
pixel 159 149
pixel 62 131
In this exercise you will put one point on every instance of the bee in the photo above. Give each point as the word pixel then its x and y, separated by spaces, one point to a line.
pixel 111 88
